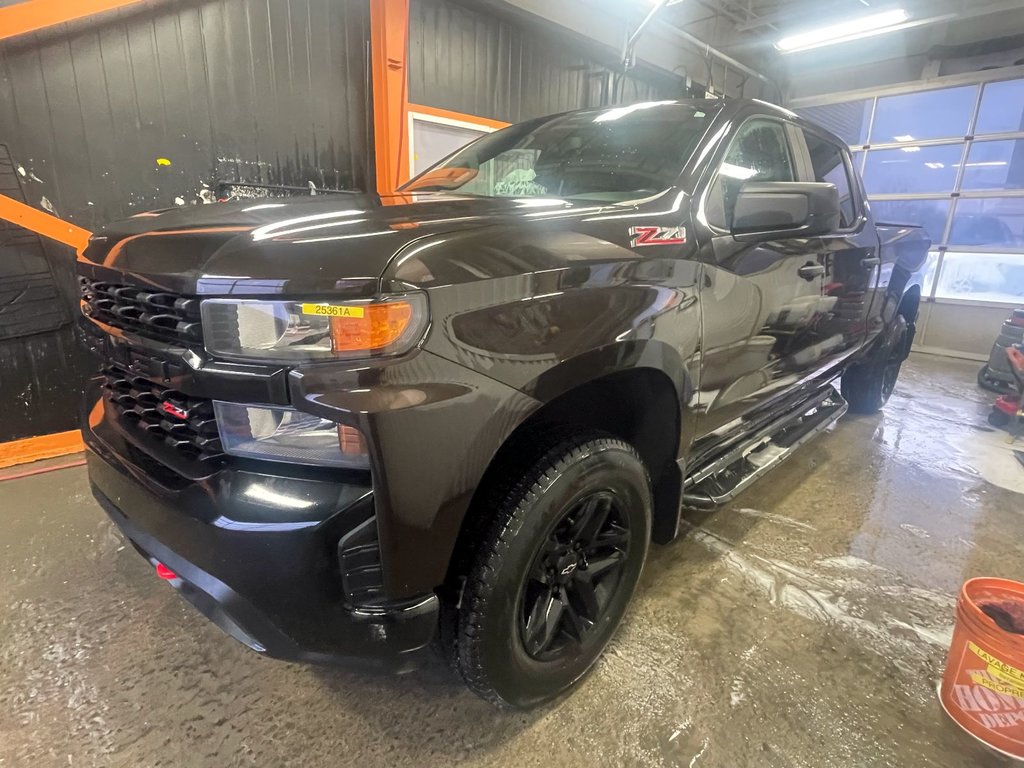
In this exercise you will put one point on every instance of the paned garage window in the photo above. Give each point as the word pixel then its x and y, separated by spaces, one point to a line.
pixel 951 160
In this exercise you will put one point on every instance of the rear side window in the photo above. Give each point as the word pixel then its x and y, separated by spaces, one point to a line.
pixel 759 152
pixel 829 166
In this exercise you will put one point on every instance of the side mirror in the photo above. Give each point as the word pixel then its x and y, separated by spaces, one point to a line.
pixel 776 210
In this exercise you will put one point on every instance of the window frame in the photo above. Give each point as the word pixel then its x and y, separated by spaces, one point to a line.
pixel 852 177
pixel 983 80
pixel 709 178
pixel 971 115
pixel 419 113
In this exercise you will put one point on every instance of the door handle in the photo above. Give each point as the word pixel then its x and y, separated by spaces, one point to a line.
pixel 872 262
pixel 811 271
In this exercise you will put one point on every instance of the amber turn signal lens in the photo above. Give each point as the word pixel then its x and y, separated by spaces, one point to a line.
pixel 380 326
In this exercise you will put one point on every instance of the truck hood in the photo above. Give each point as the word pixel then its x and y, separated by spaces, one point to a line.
pixel 335 244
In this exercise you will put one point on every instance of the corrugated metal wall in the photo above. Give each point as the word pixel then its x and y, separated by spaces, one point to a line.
pixel 256 90
pixel 485 64
pixel 39 352
pixel 271 91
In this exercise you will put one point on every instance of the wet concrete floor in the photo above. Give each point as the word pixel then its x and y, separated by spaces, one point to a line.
pixel 804 625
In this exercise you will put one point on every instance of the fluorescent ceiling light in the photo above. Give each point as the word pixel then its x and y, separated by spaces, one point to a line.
pixel 854 29
pixel 905 137
pixel 911 149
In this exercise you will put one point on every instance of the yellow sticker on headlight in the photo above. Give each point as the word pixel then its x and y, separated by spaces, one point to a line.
pixel 331 310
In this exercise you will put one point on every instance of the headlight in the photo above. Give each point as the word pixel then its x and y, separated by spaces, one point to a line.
pixel 284 434
pixel 291 330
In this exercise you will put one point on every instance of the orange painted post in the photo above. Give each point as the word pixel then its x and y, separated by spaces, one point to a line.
pixel 389 42
pixel 32 15
pixel 42 223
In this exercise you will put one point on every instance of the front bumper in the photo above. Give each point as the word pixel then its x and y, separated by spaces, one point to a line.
pixel 257 555
pixel 301 562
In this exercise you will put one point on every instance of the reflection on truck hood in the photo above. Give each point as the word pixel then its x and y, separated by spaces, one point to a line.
pixel 305 244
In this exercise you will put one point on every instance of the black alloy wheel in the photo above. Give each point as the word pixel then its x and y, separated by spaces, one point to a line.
pixel 573 577
pixel 551 570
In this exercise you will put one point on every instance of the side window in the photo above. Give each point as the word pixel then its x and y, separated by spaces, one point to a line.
pixel 828 164
pixel 759 152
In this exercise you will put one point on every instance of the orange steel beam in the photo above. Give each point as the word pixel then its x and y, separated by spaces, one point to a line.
pixel 389 42
pixel 423 109
pixel 42 223
pixel 36 448
pixel 32 15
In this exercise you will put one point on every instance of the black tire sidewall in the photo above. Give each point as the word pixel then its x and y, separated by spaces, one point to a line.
pixel 999 419
pixel 514 677
pixel 899 339
pixel 863 385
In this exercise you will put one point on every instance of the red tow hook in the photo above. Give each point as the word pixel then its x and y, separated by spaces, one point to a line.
pixel 165 573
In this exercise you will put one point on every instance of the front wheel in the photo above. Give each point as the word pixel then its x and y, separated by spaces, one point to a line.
pixel 869 385
pixel 555 571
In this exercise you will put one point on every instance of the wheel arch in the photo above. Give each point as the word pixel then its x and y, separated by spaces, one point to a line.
pixel 910 308
pixel 637 391
pixel 640 405
pixel 910 304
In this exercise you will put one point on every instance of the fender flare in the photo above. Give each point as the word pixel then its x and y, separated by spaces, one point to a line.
pixel 613 358
pixel 623 357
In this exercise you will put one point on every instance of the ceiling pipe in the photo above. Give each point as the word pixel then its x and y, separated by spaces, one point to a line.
pixel 717 54
pixel 629 50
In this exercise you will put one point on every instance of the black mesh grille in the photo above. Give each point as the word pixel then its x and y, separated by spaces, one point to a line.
pixel 183 424
pixel 155 314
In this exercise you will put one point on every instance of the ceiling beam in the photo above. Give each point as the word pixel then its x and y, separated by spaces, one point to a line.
pixel 664 46
pixel 786 14
pixel 720 9
pixel 33 15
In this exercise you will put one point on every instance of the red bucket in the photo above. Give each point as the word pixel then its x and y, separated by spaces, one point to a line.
pixel 983 688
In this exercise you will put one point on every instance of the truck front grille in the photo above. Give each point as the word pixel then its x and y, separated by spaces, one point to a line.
pixel 151 313
pixel 176 421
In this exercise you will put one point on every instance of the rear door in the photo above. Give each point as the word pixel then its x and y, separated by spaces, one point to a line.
pixel 850 256
pixel 760 301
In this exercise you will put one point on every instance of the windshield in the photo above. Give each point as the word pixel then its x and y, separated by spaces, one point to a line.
pixel 612 155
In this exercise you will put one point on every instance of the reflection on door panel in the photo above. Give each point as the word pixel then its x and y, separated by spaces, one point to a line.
pixel 761 321
pixel 851 260
pixel 764 301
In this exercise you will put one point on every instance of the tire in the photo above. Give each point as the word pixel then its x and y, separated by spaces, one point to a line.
pixel 536 613
pixel 869 385
pixel 987 381
pixel 983 380
pixel 999 419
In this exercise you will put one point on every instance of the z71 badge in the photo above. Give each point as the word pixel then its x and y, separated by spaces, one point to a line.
pixel 657 235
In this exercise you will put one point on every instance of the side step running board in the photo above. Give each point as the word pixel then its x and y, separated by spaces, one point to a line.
pixel 725 478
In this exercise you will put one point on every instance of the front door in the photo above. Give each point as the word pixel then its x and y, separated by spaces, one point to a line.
pixel 761 302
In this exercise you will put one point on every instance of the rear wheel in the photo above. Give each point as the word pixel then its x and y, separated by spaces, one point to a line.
pixel 868 386
pixel 554 572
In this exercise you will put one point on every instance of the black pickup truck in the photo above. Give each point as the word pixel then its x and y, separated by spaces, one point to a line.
pixel 356 426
